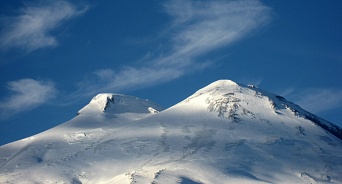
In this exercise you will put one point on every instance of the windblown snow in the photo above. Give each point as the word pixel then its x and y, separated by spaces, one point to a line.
pixel 223 133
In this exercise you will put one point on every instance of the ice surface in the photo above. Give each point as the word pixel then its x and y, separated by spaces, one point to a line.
pixel 223 133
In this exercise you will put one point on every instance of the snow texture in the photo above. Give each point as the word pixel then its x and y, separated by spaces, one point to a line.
pixel 224 133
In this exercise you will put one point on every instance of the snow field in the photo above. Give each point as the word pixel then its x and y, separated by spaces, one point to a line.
pixel 224 133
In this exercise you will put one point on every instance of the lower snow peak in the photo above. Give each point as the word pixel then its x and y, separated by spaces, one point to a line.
pixel 119 104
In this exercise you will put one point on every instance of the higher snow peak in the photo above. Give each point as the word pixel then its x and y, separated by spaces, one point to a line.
pixel 222 83
pixel 219 84
pixel 234 101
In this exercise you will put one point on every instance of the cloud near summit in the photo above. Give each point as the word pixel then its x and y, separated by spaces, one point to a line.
pixel 197 27
pixel 319 100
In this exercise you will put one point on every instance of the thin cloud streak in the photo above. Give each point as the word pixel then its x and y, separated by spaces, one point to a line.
pixel 132 77
pixel 319 100
pixel 204 26
pixel 108 80
pixel 197 28
pixel 26 94
pixel 31 29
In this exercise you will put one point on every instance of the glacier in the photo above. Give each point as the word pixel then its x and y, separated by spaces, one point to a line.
pixel 224 133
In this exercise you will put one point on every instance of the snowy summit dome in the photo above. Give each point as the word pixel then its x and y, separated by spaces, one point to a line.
pixel 228 99
pixel 220 84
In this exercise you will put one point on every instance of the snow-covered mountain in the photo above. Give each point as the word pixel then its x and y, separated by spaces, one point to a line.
pixel 224 133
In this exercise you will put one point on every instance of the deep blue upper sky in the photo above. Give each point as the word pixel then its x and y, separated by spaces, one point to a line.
pixel 55 56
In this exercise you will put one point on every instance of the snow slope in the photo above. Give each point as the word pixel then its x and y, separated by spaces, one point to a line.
pixel 224 133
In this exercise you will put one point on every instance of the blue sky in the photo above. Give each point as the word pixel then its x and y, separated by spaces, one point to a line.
pixel 56 55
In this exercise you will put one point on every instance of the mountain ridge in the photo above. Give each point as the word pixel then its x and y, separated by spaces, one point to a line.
pixel 224 133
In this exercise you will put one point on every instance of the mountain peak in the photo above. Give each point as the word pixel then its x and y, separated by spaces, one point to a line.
pixel 219 84
pixel 98 103
pixel 119 104
pixel 223 83
pixel 237 102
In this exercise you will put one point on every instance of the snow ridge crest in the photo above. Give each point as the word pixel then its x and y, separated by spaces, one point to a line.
pixel 119 104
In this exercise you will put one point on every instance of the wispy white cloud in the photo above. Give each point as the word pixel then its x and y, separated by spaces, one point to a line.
pixel 31 29
pixel 133 77
pixel 320 100
pixel 202 26
pixel 251 81
pixel 197 27
pixel 26 94
pixel 286 92
pixel 108 80
pixel 315 100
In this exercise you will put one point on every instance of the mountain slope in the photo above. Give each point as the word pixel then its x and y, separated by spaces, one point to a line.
pixel 224 133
